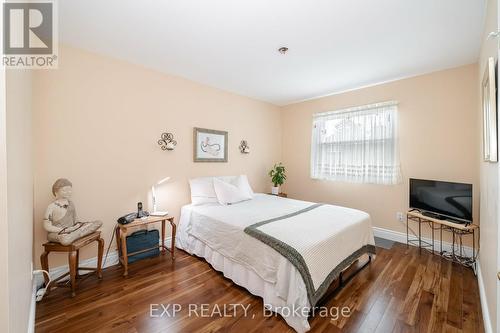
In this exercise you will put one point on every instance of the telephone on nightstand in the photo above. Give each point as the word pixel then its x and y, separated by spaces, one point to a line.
pixel 126 219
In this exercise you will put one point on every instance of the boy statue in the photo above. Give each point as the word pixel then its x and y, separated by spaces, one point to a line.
pixel 60 219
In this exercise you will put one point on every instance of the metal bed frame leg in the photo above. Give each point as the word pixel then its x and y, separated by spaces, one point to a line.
pixel 342 282
pixel 341 276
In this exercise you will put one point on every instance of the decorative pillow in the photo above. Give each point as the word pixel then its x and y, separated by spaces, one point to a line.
pixel 228 193
pixel 242 184
pixel 202 190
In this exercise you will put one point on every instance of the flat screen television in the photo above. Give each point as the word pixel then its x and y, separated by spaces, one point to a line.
pixel 446 200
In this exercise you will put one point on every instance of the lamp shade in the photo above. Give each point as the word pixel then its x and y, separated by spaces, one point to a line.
pixel 161 181
pixel 153 192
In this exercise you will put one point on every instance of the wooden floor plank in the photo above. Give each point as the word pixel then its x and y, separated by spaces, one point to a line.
pixel 408 307
pixel 471 313
pixel 440 304
pixel 424 311
pixel 389 318
pixel 454 313
pixel 402 290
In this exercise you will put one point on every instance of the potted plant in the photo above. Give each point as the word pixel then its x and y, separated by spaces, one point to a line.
pixel 278 177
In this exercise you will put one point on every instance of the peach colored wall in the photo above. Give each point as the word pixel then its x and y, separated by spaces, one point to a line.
pixel 98 120
pixel 438 140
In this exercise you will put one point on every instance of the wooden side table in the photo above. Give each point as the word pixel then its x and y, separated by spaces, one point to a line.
pixel 73 251
pixel 122 231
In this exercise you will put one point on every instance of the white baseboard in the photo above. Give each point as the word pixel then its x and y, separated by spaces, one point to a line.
pixel 484 304
pixel 92 262
pixel 400 237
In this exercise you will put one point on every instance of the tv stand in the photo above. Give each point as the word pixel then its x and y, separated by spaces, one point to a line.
pixel 458 231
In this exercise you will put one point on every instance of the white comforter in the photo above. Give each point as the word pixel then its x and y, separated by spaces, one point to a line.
pixel 324 236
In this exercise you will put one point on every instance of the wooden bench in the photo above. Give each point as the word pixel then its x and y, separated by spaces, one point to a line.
pixel 73 251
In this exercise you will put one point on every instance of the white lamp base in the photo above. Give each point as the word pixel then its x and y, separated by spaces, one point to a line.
pixel 159 213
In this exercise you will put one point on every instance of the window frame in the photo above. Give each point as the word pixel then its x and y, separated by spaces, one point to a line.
pixel 362 170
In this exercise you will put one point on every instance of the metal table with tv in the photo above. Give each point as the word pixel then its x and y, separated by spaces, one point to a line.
pixel 447 207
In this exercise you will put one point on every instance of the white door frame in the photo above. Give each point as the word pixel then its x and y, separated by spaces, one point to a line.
pixel 4 253
pixel 497 40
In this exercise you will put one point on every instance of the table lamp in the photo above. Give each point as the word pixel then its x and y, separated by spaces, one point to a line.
pixel 155 212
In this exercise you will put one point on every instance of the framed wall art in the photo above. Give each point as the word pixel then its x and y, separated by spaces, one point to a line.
pixel 209 145
pixel 489 104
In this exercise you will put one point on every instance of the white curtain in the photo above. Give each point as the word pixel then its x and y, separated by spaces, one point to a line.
pixel 357 145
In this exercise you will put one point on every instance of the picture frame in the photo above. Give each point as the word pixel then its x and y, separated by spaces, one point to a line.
pixel 489 105
pixel 209 145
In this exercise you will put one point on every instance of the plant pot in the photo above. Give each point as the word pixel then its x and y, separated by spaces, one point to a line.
pixel 275 190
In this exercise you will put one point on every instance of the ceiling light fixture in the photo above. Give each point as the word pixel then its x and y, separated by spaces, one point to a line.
pixel 283 50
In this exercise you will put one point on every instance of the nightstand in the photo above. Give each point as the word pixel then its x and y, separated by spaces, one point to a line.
pixel 122 231
pixel 283 195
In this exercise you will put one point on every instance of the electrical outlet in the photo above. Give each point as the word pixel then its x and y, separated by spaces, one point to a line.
pixel 400 217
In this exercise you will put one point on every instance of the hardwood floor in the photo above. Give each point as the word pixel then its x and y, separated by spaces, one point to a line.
pixel 400 291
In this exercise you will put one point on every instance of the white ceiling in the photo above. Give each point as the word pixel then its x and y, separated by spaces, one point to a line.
pixel 334 45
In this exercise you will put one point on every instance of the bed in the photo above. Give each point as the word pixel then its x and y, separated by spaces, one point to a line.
pixel 286 251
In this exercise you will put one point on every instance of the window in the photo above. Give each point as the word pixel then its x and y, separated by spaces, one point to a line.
pixel 357 145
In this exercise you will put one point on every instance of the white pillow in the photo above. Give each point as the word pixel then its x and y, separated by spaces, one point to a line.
pixel 242 184
pixel 202 190
pixel 228 193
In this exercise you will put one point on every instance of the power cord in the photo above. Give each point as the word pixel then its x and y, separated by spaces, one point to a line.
pixel 41 292
pixel 109 245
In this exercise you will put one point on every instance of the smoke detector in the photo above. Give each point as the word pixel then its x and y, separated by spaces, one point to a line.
pixel 283 50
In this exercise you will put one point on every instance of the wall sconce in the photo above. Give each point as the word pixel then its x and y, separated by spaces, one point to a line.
pixel 167 141
pixel 244 147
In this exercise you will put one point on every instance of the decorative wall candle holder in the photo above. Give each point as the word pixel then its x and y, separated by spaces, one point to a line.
pixel 167 141
pixel 244 147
